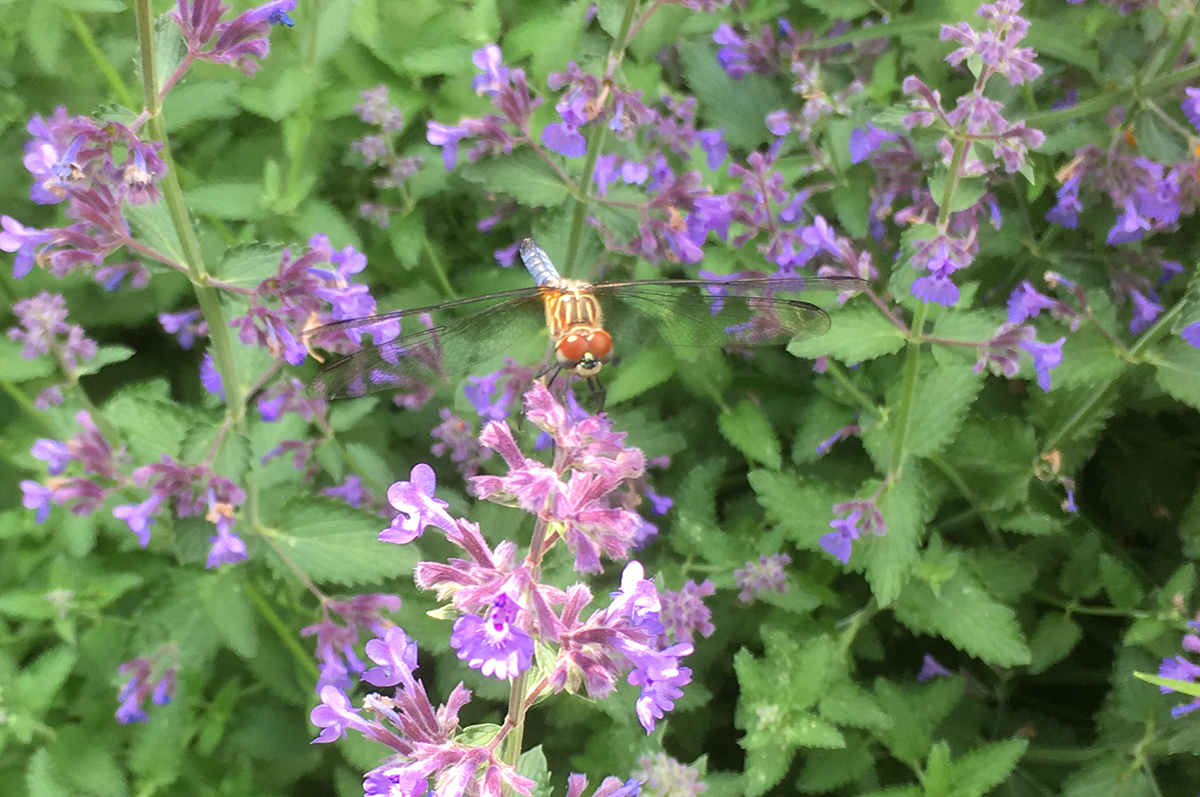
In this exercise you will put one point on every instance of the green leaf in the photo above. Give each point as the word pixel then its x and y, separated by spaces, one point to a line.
pixel 169 49
pixel 151 224
pixel 962 613
pixel 106 355
pixel 248 266
pixel 1054 638
pixel 826 770
pixel 966 194
pixel 859 333
pixel 940 403
pixel 40 681
pixel 532 765
pixel 17 369
pixel 919 708
pixel 738 107
pixel 994 458
pixel 227 607
pixel 331 541
pixel 890 559
pixel 150 425
pixel 801 508
pixel 847 704
pixel 646 369
pixel 523 176
pixel 1178 372
pixel 748 430
pixel 229 201
pixel 45 33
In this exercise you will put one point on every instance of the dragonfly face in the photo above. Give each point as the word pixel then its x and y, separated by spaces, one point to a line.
pixel 583 320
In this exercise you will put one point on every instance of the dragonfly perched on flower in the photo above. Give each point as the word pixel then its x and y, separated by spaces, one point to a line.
pixel 586 323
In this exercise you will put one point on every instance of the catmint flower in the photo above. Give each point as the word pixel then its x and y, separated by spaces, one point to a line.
pixel 139 517
pixel 1191 106
pixel 142 684
pixel 27 242
pixel 766 574
pixel 860 517
pixel 683 613
pixel 336 641
pixel 1182 669
pixel 663 776
pixel 210 377
pixel 43 329
pixel 186 326
pixel 241 42
pixel 227 547
pixel 1191 334
pixel 351 491
pixel 334 716
pixel 495 646
pixel 1000 353
pixel 930 669
pixel 396 656
pixel 418 508
pixel 457 438
pixel 1046 357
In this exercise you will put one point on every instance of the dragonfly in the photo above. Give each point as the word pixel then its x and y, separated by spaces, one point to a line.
pixel 586 323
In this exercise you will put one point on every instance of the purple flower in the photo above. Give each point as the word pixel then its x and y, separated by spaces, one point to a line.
pixel 1191 106
pixel 334 716
pixel 1145 310
pixel 494 77
pixel 227 546
pixel 1025 302
pixel 56 455
pixel 418 508
pixel 210 377
pixel 23 240
pixel 860 517
pixel 495 646
pixel 1046 357
pixel 1191 334
pixel 35 495
pixel 864 141
pixel 663 775
pixel 134 691
pixel 139 517
pixel 930 669
pixel 683 613
pixel 446 137
pixel 186 326
pixel 766 574
pixel 351 491
pixel 396 656
pixel 565 139
pixel 714 146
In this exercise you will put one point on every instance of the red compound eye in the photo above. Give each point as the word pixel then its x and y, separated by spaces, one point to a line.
pixel 600 345
pixel 572 349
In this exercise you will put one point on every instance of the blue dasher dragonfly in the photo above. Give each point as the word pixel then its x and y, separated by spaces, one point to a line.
pixel 585 322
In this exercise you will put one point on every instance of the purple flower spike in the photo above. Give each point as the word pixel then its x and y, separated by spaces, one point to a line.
pixel 495 646
pixel 418 508
pixel 765 574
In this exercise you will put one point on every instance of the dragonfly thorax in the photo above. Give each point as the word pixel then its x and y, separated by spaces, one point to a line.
pixel 584 350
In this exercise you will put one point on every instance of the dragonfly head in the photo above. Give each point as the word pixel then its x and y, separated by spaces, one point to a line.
pixel 584 351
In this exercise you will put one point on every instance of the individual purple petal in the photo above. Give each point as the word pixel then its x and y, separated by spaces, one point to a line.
pixel 564 139
pixel 139 517
pixel 35 495
pixel 334 716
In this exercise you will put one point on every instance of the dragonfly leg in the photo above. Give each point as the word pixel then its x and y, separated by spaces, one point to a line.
pixel 596 393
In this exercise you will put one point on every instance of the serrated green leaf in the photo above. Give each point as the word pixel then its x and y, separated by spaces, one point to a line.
pixel 647 368
pixel 920 708
pixel 532 765
pixel 106 355
pixel 40 681
pixel 1054 638
pixel 962 613
pixel 40 778
pixel 890 558
pixel 1178 372
pixel 169 49
pixel 747 429
pixel 808 730
pixel 826 770
pixel 331 541
pixel 847 704
pixel 151 224
pixel 345 415
pixel 1121 585
pixel 859 333
pixel 17 369
pixel 994 458
pixel 247 266
pixel 802 508
pixel 150 425
pixel 738 107
pixel 523 176
pixel 227 607
pixel 943 396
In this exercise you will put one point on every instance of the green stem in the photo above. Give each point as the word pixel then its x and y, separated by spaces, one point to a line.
pixel 911 363
pixel 207 297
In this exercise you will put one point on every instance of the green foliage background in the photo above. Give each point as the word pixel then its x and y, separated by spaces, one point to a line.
pixel 1043 616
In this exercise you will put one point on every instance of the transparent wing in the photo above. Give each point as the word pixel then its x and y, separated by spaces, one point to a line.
pixel 428 356
pixel 748 312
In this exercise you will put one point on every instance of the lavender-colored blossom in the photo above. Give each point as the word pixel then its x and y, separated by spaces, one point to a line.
pixel 334 716
pixel 227 547
pixel 1025 303
pixel 1145 310
pixel 241 42
pixel 210 377
pixel 56 454
pixel 930 669
pixel 663 776
pixel 1191 334
pixel 1046 357
pixel 396 656
pixel 139 517
pixel 1191 106
pixel 351 491
pixel 457 438
pixel 765 574
pixel 336 641
pixel 1000 353
pixel 683 613
pixel 43 329
pixel 25 241
pixel 661 687
pixel 495 646
pixel 37 496
pixel 418 508
pixel 564 139
pixel 186 326
pixel 142 683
